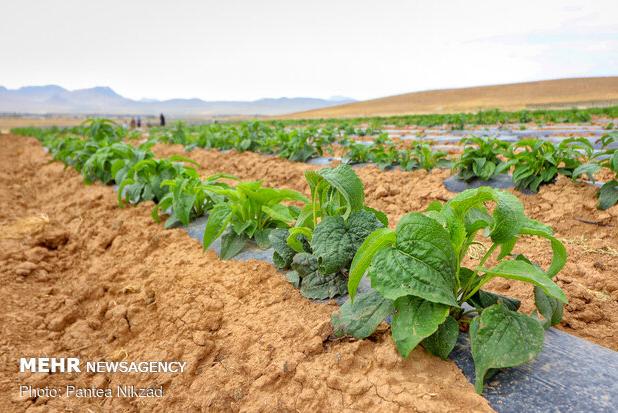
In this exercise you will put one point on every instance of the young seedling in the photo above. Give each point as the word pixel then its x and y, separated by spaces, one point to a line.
pixel 190 197
pixel 328 231
pixel 250 211
pixel 481 158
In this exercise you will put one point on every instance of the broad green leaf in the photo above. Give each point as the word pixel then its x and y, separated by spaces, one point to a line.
pixel 313 284
pixel 588 169
pixel 293 278
pixel 414 320
pixel 283 254
pixel 381 216
pixel 477 218
pixel 182 206
pixel 293 240
pixel 360 318
pixel 508 217
pixel 559 252
pixel 218 219
pixel 345 181
pixel 523 271
pixel 279 212
pixel 608 194
pixel 483 299
pixel 261 237
pixel 503 338
pixel 422 263
pixel 335 241
pixel 318 286
pixel 232 244
pixel 442 342
pixel 304 264
pixel 377 240
pixel 550 308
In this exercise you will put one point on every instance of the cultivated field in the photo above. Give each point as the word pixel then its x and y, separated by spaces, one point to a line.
pixel 237 248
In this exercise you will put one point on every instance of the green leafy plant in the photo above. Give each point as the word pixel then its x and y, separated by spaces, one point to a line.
pixel 100 129
pixel 189 197
pixel 537 162
pixel 327 233
pixel 418 277
pixel 608 158
pixel 356 153
pixel 481 158
pixel 250 211
pixel 384 155
pixel 422 156
pixel 144 180
pixel 110 163
pixel 301 144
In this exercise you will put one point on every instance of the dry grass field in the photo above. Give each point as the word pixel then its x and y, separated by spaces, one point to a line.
pixel 578 92
pixel 9 122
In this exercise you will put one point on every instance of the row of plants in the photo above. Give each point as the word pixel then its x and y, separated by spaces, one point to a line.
pixel 293 144
pixel 332 239
pixel 385 154
pixel 535 162
pixel 302 144
pixel 460 120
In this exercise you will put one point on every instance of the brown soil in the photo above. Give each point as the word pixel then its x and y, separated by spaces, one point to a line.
pixel 560 93
pixel 80 277
pixel 589 279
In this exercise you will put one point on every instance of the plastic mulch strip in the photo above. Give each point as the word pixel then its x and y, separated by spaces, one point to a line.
pixel 454 184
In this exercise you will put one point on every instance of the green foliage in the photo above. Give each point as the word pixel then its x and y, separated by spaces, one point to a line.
pixel 481 158
pixel 503 338
pixel 459 120
pixel 537 162
pixel 327 232
pixel 418 268
pixel 608 158
pixel 294 144
pixel 421 156
pixel 99 129
pixel 189 197
pixel 144 180
pixel 384 153
pixel 111 163
pixel 250 211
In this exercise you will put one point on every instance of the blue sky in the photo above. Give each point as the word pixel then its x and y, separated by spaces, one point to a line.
pixel 237 50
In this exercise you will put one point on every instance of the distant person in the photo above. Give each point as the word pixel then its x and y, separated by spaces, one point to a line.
pixel 132 124
pixel 162 120
pixel 139 122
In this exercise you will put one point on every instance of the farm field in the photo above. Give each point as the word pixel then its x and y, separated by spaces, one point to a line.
pixel 9 122
pixel 112 282
pixel 589 233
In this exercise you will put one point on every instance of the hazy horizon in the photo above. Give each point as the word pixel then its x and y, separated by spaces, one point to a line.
pixel 251 50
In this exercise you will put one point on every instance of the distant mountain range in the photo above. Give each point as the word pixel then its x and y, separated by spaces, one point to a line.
pixel 52 99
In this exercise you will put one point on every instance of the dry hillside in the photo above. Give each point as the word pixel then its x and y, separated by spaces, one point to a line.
pixel 532 95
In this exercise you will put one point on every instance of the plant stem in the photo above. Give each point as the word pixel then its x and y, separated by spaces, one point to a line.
pixel 474 275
